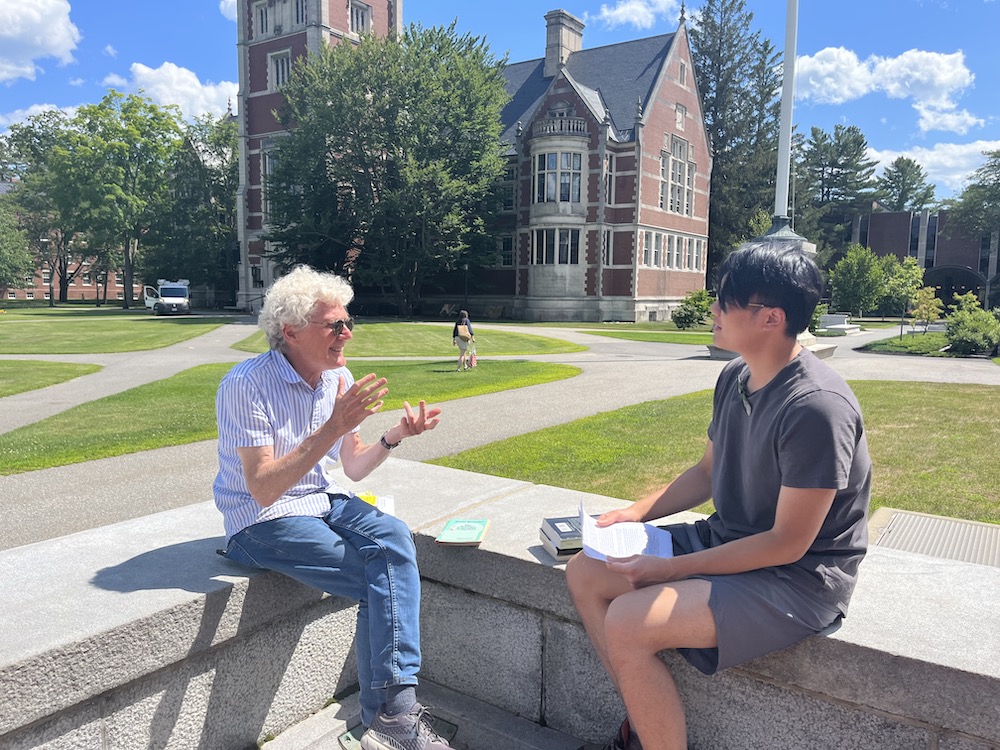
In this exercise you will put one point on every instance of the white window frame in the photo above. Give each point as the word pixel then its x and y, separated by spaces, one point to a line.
pixel 555 246
pixel 361 18
pixel 647 248
pixel 555 174
pixel 682 77
pixel 299 13
pixel 680 115
pixel 505 251
pixel 609 178
pixel 30 294
pixel 279 69
pixel 11 294
pixel 261 20
pixel 609 246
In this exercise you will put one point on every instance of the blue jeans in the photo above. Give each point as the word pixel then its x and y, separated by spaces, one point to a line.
pixel 359 552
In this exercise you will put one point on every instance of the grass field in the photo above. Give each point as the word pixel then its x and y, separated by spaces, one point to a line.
pixel 933 447
pixel 82 330
pixel 133 421
pixel 19 375
pixel 426 340
pixel 659 337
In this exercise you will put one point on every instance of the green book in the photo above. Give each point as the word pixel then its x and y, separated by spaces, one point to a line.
pixel 460 532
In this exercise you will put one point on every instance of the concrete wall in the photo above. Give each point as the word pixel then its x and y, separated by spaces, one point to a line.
pixel 139 635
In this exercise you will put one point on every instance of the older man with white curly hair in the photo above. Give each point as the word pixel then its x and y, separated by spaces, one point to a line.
pixel 285 417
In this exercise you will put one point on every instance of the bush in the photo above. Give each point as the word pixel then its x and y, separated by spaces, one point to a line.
pixel 819 312
pixel 973 331
pixel 693 309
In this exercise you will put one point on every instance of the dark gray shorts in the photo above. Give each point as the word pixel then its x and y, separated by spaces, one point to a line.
pixel 757 612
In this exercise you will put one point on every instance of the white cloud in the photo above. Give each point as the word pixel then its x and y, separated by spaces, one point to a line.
pixel 641 14
pixel 172 84
pixel 110 51
pixel 114 81
pixel 228 9
pixel 948 165
pixel 34 31
pixel 947 119
pixel 927 77
pixel 20 115
pixel 931 80
pixel 832 76
pixel 77 81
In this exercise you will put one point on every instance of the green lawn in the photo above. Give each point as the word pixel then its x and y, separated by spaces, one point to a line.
pixel 922 344
pixel 659 337
pixel 423 340
pixel 134 420
pixel 19 375
pixel 82 330
pixel 933 446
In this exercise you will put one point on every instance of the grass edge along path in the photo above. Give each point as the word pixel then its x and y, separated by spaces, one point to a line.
pixel 22 375
pixel 377 339
pixel 935 455
pixel 124 333
pixel 133 420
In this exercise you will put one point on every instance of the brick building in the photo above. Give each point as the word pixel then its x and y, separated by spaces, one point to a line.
pixel 953 263
pixel 605 213
pixel 271 36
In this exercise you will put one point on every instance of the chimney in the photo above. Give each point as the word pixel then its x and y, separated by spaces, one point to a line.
pixel 563 36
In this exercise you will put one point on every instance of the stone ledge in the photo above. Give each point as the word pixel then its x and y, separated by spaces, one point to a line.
pixel 139 630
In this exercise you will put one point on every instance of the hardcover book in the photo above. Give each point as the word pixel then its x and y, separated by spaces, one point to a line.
pixel 563 531
pixel 459 532
pixel 560 554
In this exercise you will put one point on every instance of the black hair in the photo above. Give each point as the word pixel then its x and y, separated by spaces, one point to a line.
pixel 762 271
pixel 463 313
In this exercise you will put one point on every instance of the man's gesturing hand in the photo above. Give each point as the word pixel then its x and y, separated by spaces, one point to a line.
pixel 355 404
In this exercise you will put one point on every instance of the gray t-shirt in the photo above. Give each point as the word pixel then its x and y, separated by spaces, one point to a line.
pixel 804 430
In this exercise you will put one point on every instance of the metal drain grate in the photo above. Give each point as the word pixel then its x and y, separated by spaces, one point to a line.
pixel 949 538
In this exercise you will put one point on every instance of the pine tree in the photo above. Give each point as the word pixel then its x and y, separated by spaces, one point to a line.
pixel 738 77
pixel 903 186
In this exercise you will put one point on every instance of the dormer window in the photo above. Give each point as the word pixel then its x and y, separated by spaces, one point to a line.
pixel 561 109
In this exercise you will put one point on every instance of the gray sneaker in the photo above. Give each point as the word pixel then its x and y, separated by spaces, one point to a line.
pixel 409 731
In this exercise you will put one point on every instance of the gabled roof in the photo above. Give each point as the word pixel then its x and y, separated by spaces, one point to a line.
pixel 620 75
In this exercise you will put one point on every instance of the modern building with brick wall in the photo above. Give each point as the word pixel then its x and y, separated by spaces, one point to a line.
pixel 953 263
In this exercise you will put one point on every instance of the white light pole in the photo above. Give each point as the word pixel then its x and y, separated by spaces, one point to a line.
pixel 780 230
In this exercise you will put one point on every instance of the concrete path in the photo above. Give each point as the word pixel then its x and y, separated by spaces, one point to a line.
pixel 616 373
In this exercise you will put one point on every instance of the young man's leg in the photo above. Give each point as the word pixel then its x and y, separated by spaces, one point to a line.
pixel 638 626
pixel 629 627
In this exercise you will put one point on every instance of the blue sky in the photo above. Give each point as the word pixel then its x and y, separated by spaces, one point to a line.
pixel 921 78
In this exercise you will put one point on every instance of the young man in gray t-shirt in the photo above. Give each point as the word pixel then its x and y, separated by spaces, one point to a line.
pixel 788 470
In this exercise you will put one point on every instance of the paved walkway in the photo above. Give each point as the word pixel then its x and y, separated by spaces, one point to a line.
pixel 615 373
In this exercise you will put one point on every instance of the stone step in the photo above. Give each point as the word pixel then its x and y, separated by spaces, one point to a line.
pixel 480 725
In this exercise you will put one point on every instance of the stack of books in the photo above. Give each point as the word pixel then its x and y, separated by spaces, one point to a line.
pixel 562 536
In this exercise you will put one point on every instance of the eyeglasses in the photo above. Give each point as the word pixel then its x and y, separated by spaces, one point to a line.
pixel 741 386
pixel 757 304
pixel 337 326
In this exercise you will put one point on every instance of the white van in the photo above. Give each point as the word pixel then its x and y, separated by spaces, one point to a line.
pixel 169 297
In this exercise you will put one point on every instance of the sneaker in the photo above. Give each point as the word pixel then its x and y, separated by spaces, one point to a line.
pixel 409 731
pixel 623 740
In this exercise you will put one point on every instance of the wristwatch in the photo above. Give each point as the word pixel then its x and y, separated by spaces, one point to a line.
pixel 386 444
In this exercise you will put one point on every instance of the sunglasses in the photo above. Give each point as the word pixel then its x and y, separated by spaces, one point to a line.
pixel 337 326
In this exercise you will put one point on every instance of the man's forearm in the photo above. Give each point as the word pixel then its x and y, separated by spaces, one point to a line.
pixel 690 489
pixel 269 478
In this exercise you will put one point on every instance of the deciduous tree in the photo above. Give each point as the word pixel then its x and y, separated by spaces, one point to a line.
pixel 856 280
pixel 392 152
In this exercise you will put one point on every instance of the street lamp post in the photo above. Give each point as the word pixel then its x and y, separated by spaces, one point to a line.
pixel 780 231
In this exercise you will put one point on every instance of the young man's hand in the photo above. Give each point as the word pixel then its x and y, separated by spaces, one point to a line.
pixel 642 570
